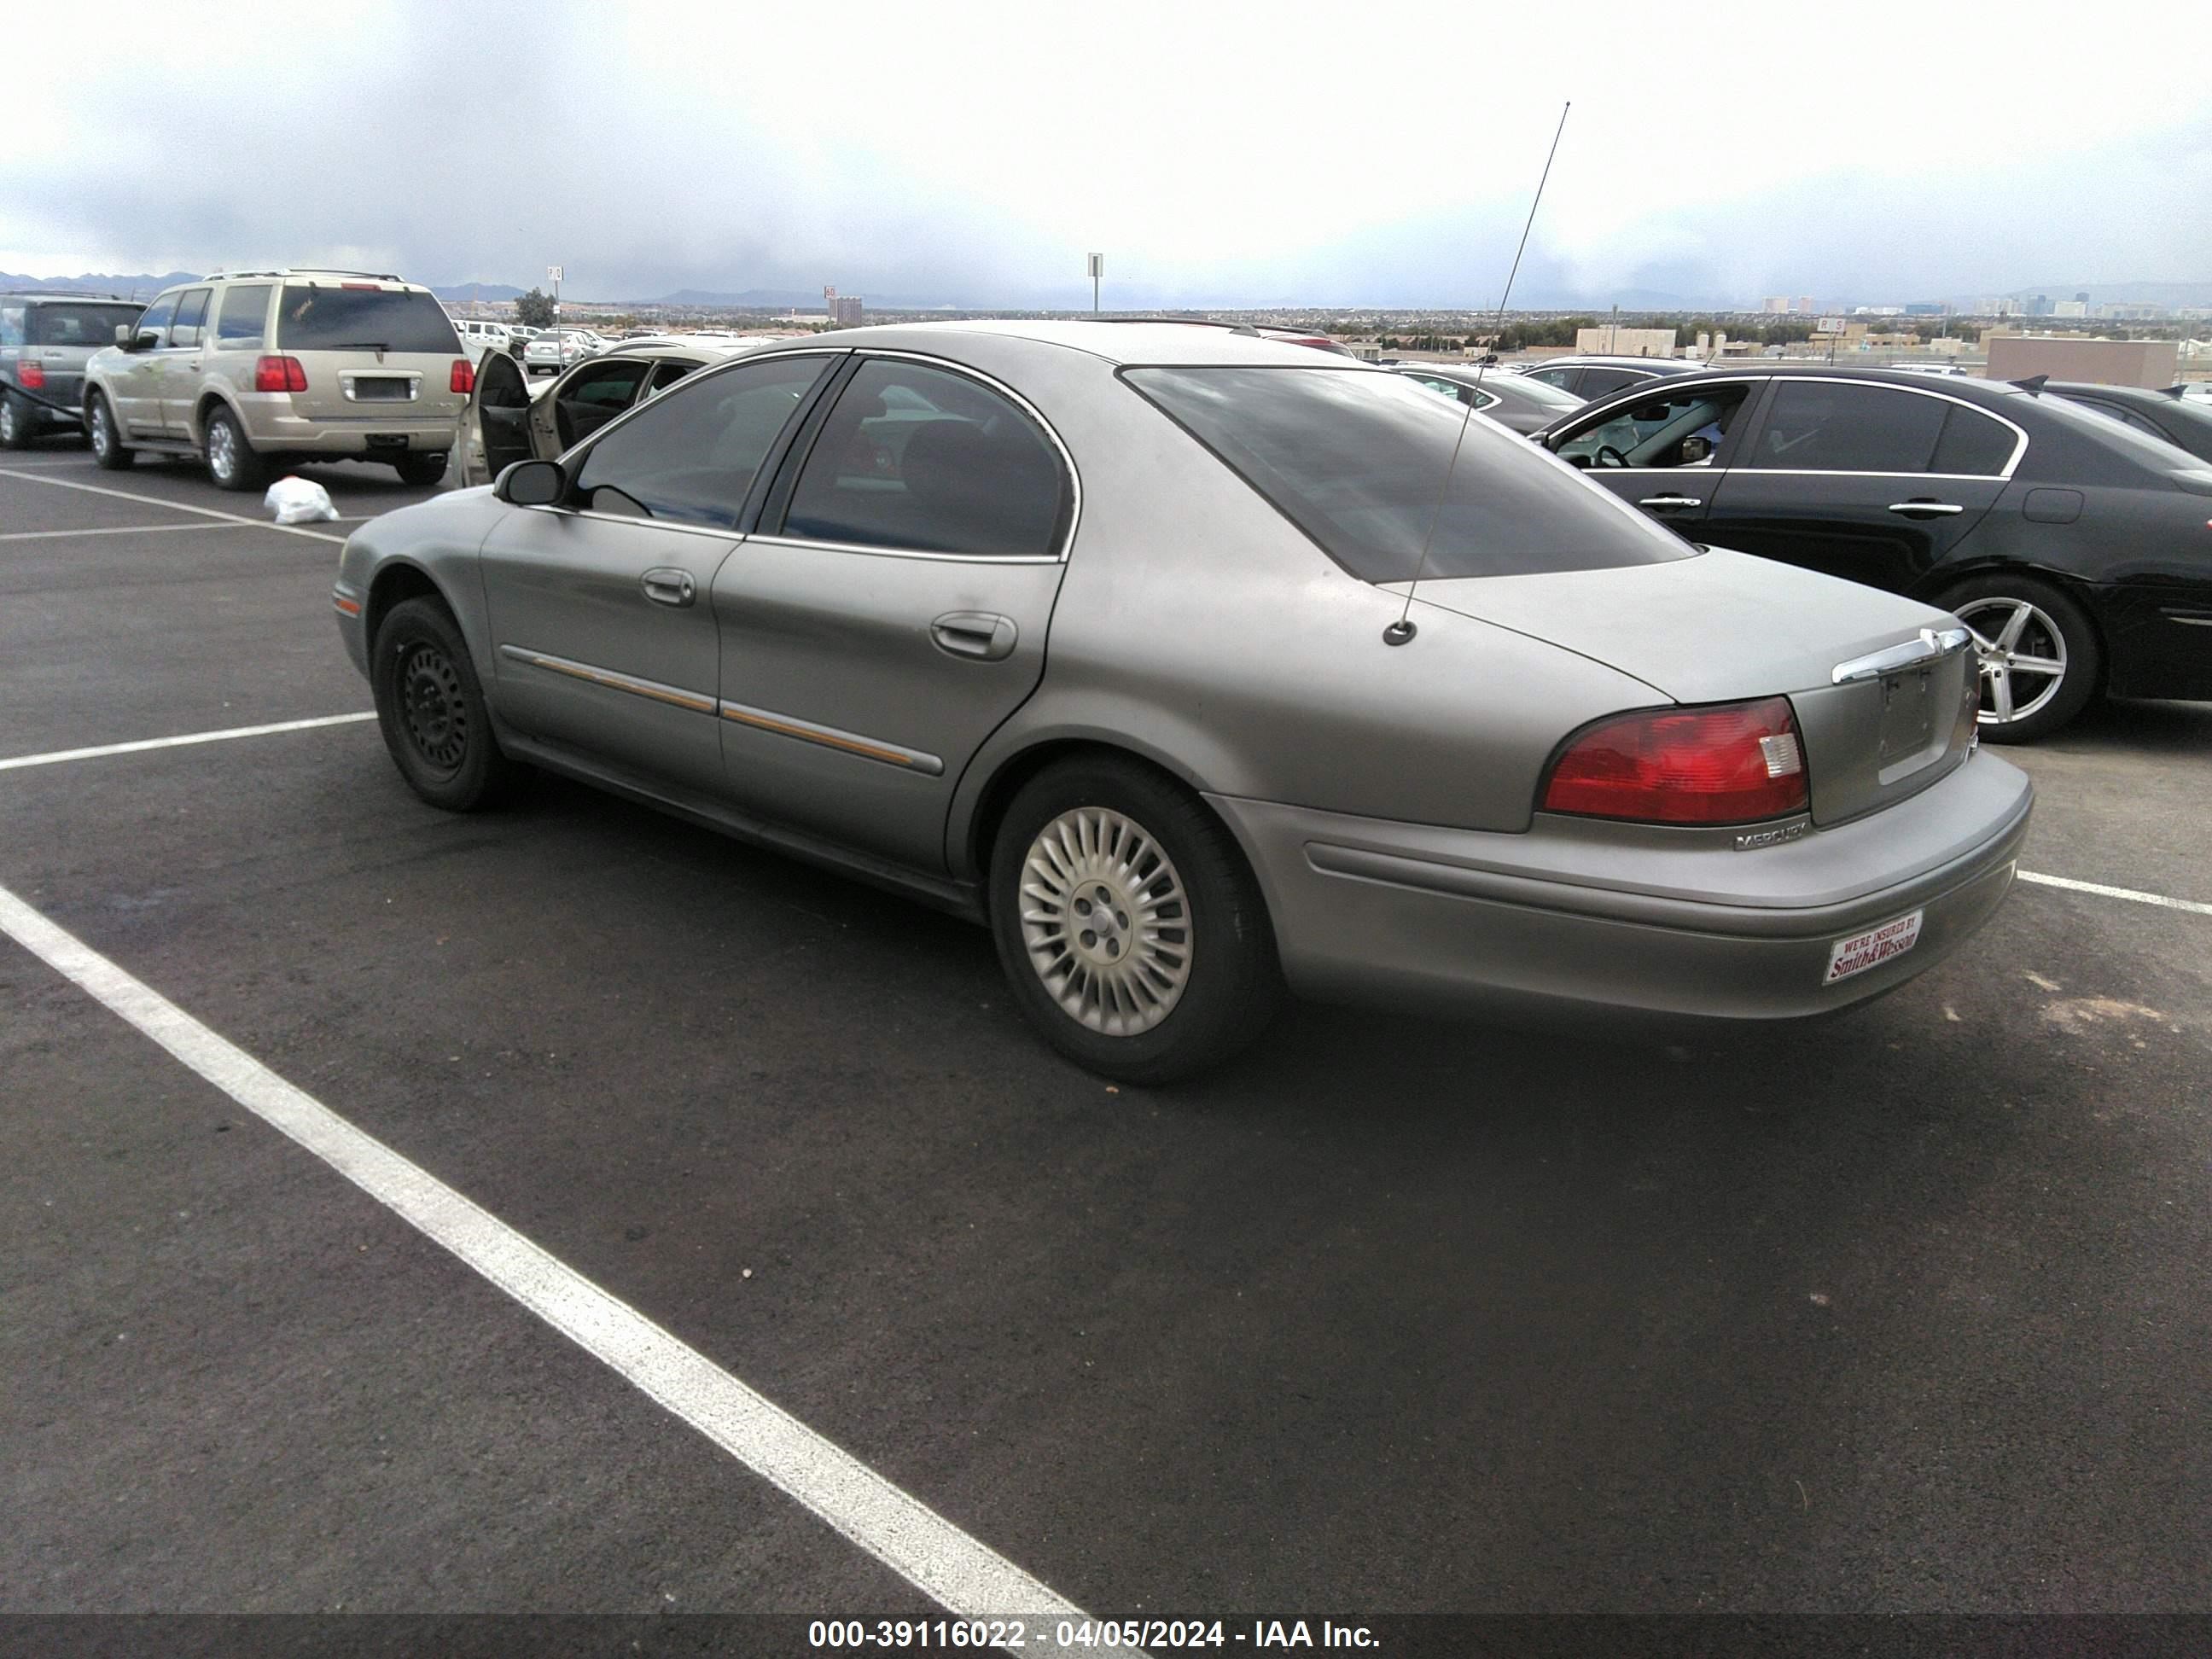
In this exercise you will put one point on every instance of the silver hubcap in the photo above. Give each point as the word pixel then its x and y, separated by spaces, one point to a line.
pixel 1105 921
pixel 222 449
pixel 2023 657
pixel 102 437
pixel 7 422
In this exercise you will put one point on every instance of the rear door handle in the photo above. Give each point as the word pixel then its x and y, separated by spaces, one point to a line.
pixel 1925 509
pixel 982 634
pixel 1665 501
pixel 669 586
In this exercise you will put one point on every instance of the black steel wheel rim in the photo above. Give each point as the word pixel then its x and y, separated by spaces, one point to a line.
pixel 431 708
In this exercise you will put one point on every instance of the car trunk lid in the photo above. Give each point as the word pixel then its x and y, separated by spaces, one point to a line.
pixel 1877 681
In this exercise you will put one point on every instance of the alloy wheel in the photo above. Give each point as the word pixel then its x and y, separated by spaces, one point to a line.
pixel 103 436
pixel 11 423
pixel 2023 657
pixel 1105 920
pixel 433 708
pixel 222 450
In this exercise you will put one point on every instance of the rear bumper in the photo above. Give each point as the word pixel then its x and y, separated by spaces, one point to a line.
pixel 1411 914
pixel 273 428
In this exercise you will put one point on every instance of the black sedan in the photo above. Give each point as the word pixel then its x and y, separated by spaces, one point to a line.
pixel 1514 401
pixel 2078 550
pixel 2185 423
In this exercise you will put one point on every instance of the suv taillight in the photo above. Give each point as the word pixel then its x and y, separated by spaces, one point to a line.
pixel 1731 764
pixel 463 377
pixel 279 374
pixel 32 377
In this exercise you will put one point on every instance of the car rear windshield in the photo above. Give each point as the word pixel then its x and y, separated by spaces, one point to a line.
pixel 314 318
pixel 1357 461
pixel 79 324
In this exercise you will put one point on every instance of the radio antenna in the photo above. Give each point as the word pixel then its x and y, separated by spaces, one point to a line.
pixel 1404 629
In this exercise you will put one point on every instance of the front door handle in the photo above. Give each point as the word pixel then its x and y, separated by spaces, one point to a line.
pixel 982 634
pixel 1663 503
pixel 1925 509
pixel 669 586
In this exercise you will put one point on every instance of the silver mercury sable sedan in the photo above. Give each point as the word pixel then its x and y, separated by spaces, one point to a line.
pixel 1093 633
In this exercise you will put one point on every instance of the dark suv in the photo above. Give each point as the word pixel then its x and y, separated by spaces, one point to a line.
pixel 44 338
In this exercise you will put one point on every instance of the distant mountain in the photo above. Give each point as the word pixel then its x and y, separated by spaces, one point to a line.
pixel 2172 295
pixel 782 299
pixel 468 291
pixel 142 286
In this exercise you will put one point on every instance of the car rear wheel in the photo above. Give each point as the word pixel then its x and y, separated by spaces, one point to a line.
pixel 107 447
pixel 18 423
pixel 231 461
pixel 423 467
pixel 432 711
pixel 1131 930
pixel 2041 661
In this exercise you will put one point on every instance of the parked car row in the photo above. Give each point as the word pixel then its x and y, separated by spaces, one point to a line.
pixel 46 340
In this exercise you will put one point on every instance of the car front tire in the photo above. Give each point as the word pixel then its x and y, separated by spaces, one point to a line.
pixel 1130 928
pixel 432 711
pixel 2041 661
pixel 109 452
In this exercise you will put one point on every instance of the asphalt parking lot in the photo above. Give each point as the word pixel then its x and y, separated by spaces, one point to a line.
pixel 1905 1311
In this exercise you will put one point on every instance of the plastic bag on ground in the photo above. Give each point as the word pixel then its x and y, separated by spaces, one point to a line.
pixel 295 501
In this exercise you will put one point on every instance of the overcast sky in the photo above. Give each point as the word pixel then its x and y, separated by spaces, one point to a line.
pixel 1219 154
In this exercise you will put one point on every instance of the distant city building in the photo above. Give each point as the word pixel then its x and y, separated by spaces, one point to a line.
pixel 1607 341
pixel 843 310
pixel 2070 308
pixel 1926 308
pixel 2083 296
pixel 1777 303
pixel 2014 356
pixel 1804 307
pixel 2039 306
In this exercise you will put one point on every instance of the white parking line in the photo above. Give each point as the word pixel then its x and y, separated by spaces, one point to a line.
pixel 2194 906
pixel 945 1564
pixel 57 756
pixel 115 529
pixel 156 501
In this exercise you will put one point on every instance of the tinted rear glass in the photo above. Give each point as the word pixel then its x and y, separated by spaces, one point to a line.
pixel 1830 426
pixel 1974 443
pixel 1357 461
pixel 362 320
pixel 245 312
pixel 78 324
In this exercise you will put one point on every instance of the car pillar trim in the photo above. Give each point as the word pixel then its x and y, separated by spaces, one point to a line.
pixel 869 748
pixel 611 679
pixel 1934 642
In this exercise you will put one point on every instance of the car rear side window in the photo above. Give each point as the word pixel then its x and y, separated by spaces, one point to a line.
pixel 691 455
pixel 1829 425
pixel 333 318
pixel 86 325
pixel 1357 461
pixel 1599 382
pixel 191 315
pixel 918 459
pixel 1973 443
pixel 240 325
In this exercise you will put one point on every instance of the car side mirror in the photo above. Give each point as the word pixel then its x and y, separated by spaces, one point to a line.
pixel 125 333
pixel 532 483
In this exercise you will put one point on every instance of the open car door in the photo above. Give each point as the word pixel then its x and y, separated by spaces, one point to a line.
pixel 498 417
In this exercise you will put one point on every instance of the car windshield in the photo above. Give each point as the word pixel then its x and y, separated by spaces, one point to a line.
pixel 79 324
pixel 1357 461
pixel 316 318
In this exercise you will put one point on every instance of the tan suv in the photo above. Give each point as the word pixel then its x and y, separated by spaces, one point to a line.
pixel 255 369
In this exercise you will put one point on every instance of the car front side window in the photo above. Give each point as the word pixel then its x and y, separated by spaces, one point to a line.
pixel 922 459
pixel 1676 428
pixel 192 314
pixel 692 456
pixel 156 321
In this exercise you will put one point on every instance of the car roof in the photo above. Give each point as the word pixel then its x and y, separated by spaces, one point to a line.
pixel 1970 387
pixel 1123 343
pixel 2149 397
pixel 68 295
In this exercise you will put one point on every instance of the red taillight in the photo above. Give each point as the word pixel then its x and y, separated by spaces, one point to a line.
pixel 464 379
pixel 1726 765
pixel 279 374
pixel 32 377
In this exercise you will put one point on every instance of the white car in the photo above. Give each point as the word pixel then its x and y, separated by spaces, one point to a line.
pixel 557 349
